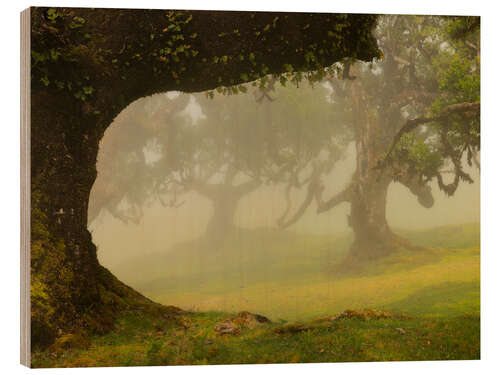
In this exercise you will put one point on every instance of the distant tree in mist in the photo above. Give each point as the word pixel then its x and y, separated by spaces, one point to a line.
pixel 125 181
pixel 239 143
pixel 244 141
pixel 415 119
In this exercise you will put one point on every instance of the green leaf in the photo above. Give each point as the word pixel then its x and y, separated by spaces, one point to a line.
pixel 77 22
pixel 88 90
pixel 45 80
pixel 52 15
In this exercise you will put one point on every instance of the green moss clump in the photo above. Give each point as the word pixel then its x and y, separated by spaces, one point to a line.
pixel 71 341
pixel 50 278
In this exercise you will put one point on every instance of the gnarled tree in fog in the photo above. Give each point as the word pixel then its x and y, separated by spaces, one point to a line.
pixel 415 118
pixel 235 145
pixel 125 180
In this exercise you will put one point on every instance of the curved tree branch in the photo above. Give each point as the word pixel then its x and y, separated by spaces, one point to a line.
pixel 417 186
pixel 247 187
pixel 476 160
pixel 265 91
pixel 455 159
pixel 313 191
pixel 343 196
pixel 412 124
pixel 302 209
pixel 288 206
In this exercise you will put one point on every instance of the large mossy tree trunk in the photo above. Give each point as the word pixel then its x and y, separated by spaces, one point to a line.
pixel 372 235
pixel 86 66
pixel 368 192
pixel 373 133
pixel 70 290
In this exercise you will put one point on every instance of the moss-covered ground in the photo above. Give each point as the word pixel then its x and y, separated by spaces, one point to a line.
pixel 432 297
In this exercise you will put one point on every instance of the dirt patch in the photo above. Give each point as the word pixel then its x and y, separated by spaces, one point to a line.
pixel 244 319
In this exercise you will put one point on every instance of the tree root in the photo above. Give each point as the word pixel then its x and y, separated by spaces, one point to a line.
pixel 395 250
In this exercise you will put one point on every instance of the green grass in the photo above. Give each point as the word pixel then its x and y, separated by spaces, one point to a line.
pixel 142 342
pixel 290 277
pixel 446 237
pixel 285 275
pixel 447 299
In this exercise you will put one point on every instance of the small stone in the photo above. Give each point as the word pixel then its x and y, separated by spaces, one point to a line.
pixel 244 319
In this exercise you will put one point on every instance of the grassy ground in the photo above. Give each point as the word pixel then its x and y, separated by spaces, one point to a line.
pixel 142 341
pixel 273 276
pixel 293 277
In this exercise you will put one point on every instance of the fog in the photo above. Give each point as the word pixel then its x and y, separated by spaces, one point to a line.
pixel 161 227
pixel 186 185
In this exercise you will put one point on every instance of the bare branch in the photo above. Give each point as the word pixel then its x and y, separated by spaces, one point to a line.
pixel 288 204
pixel 400 60
pixel 343 196
pixel 302 209
pixel 469 44
pixel 475 160
pixel 312 191
pixel 247 187
pixel 123 217
pixel 265 91
pixel 459 172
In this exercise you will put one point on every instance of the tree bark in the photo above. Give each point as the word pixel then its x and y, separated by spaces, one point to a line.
pixel 368 197
pixel 372 236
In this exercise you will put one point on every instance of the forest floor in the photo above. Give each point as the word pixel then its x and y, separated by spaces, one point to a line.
pixel 409 306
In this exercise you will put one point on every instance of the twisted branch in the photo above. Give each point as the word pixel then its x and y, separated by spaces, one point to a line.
pixel 412 124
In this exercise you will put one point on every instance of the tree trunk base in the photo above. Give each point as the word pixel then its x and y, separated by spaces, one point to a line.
pixel 375 244
pixel 365 257
pixel 99 318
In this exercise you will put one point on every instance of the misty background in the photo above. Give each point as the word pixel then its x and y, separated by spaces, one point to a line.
pixel 206 201
pixel 163 254
pixel 163 227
